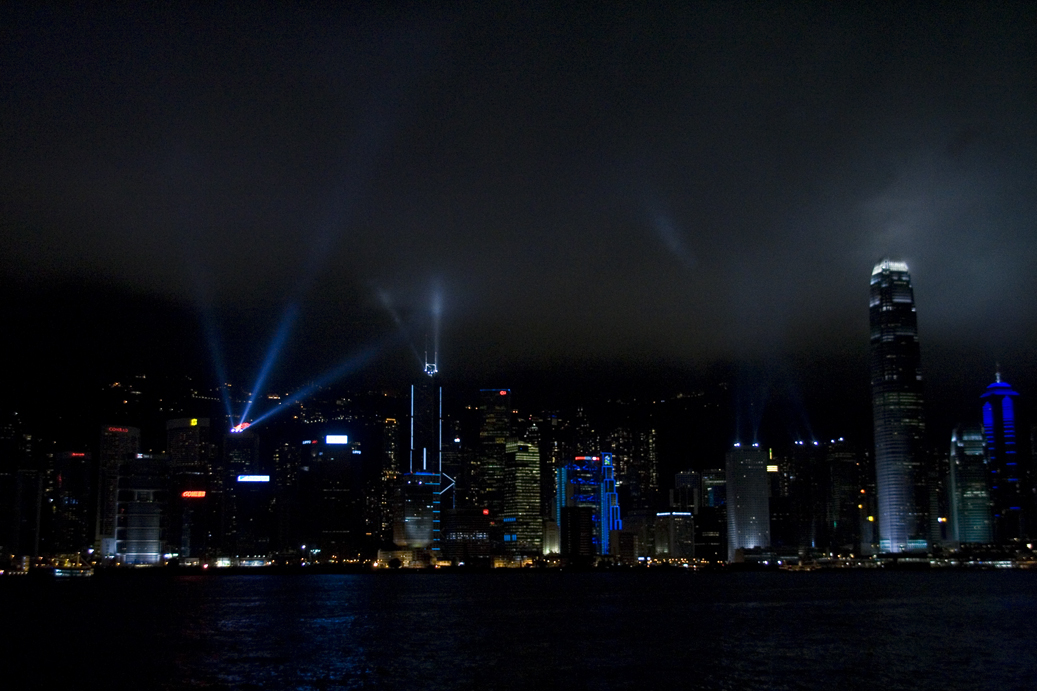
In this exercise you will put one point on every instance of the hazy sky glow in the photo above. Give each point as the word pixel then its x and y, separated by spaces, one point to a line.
pixel 707 183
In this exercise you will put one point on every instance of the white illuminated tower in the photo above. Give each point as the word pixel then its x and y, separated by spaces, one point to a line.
pixel 896 396
pixel 748 499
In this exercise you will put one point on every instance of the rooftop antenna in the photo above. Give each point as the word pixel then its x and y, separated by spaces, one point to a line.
pixel 997 372
pixel 430 367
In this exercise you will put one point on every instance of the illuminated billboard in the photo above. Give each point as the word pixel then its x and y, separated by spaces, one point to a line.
pixel 193 494
pixel 253 478
pixel 336 439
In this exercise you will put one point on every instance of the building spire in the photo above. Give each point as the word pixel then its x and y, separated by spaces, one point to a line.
pixel 431 368
pixel 997 372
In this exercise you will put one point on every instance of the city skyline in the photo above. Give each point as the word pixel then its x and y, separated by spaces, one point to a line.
pixel 519 344
pixel 275 202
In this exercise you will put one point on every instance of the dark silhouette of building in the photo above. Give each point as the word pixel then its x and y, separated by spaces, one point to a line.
pixel 577 532
pixel 494 432
pixel 73 505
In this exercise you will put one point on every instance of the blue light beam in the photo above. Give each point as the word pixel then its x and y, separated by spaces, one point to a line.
pixel 291 314
pixel 212 339
pixel 344 368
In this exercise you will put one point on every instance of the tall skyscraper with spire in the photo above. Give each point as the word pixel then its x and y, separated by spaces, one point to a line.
pixel 417 495
pixel 1007 467
pixel 896 398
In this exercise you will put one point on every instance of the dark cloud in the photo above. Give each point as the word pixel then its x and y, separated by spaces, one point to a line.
pixel 682 185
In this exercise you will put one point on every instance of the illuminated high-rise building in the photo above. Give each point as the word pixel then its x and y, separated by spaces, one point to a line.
pixel 1007 466
pixel 587 501
pixel 748 499
pixel 968 485
pixel 245 497
pixel 523 524
pixel 190 448
pixel 417 517
pixel 675 535
pixel 896 396
pixel 119 445
pixel 141 510
pixel 494 431
pixel 189 444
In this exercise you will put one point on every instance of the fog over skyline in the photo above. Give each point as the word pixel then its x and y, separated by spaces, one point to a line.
pixel 663 186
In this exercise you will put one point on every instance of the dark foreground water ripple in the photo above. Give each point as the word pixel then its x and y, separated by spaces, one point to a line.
pixel 840 630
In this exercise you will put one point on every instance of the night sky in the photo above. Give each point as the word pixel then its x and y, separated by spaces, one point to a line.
pixel 609 189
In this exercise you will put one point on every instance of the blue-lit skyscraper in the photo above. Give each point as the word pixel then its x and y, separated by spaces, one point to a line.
pixel 1008 474
pixel 609 504
pixel 588 483
pixel 896 397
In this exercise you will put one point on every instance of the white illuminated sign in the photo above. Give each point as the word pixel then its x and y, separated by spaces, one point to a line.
pixel 336 439
pixel 253 478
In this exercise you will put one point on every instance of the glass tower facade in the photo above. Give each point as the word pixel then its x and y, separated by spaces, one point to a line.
pixel 748 499
pixel 896 397
pixel 970 499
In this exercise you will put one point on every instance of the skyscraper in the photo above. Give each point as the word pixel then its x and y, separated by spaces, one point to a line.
pixel 119 445
pixel 587 483
pixel 748 499
pixel 73 486
pixel 416 511
pixel 523 525
pixel 1007 466
pixel 494 430
pixel 896 398
pixel 969 493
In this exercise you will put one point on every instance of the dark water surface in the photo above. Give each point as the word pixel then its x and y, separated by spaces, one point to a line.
pixel 858 630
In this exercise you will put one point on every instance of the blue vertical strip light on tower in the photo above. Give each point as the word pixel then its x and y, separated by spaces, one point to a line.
pixel 437 492
pixel 610 519
pixel 561 481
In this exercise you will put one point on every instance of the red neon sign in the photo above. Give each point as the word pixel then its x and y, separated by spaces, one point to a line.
pixel 119 429
pixel 76 454
pixel 193 494
pixel 503 393
pixel 485 512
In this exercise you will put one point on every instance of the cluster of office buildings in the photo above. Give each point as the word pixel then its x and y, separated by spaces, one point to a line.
pixel 412 486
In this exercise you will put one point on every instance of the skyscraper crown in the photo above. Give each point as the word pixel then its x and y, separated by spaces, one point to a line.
pixel 887 265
